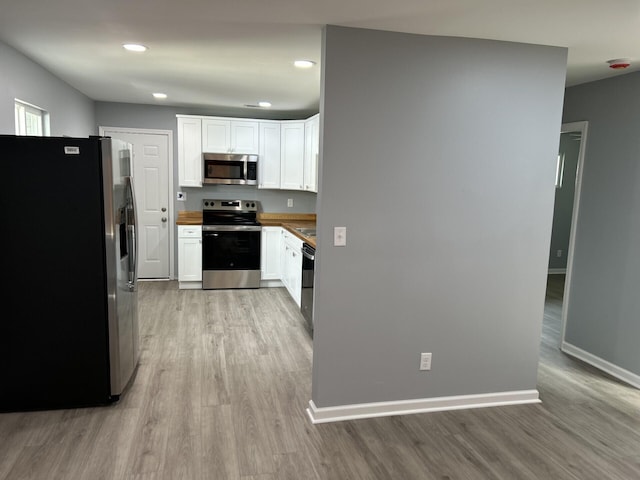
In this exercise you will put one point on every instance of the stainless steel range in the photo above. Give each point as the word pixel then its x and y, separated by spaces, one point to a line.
pixel 230 244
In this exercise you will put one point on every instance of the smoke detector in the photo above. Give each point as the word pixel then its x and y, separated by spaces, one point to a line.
pixel 619 63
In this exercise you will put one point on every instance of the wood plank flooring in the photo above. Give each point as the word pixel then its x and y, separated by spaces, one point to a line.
pixel 223 382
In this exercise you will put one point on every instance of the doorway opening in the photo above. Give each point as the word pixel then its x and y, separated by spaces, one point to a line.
pixel 153 186
pixel 571 154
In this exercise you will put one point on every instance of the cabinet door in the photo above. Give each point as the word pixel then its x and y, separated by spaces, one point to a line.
pixel 189 152
pixel 189 254
pixel 270 254
pixel 285 260
pixel 245 137
pixel 292 265
pixel 216 135
pixel 296 275
pixel 292 155
pixel 269 156
pixel 311 150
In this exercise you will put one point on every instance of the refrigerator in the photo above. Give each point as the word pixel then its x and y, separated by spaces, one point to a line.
pixel 69 333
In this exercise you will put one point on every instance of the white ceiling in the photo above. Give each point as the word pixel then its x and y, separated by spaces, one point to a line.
pixel 221 55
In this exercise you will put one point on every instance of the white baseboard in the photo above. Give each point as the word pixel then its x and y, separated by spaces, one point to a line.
pixel 557 271
pixel 189 285
pixel 422 405
pixel 608 367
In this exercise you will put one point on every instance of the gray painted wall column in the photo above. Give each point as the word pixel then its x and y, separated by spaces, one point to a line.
pixel 439 156
pixel 603 311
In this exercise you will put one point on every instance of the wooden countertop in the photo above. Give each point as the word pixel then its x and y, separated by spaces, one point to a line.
pixel 187 217
pixel 290 221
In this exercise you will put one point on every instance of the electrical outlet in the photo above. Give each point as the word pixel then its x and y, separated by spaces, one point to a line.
pixel 425 361
pixel 289 202
pixel 181 196
pixel 558 253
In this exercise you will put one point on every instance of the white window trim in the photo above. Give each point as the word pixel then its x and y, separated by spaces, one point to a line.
pixel 22 111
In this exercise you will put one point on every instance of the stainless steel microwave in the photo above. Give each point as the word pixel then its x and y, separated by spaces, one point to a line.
pixel 230 168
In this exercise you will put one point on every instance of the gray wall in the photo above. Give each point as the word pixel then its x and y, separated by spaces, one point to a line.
pixel 563 205
pixel 71 112
pixel 604 303
pixel 164 118
pixel 438 155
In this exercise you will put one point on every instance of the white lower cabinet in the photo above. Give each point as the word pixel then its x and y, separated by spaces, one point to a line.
pixel 292 264
pixel 190 256
pixel 270 244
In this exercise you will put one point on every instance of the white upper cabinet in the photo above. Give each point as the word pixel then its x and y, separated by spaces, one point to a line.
pixel 269 156
pixel 311 152
pixel 292 155
pixel 287 149
pixel 222 135
pixel 189 151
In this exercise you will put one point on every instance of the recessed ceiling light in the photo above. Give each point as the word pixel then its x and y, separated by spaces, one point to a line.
pixel 264 104
pixel 304 63
pixel 159 95
pixel 134 47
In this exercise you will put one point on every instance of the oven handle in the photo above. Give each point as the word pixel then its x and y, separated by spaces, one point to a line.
pixel 231 228
pixel 308 253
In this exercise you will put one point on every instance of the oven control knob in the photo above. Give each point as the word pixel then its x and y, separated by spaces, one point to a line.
pixel 253 205
pixel 247 204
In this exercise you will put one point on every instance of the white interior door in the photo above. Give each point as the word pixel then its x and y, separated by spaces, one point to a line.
pixel 151 175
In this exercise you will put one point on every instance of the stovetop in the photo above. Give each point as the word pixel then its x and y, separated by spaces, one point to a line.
pixel 230 212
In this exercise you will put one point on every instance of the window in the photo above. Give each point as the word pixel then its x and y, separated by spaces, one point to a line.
pixel 31 120
pixel 559 170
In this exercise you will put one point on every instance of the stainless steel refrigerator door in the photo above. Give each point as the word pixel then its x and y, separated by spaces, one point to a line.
pixel 120 219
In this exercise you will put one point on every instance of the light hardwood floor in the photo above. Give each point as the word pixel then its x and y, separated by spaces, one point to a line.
pixel 223 382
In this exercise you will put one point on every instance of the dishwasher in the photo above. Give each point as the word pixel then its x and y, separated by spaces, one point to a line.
pixel 306 298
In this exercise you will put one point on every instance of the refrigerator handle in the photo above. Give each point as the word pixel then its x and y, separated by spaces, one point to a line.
pixel 132 229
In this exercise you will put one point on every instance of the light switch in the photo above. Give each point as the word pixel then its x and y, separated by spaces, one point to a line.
pixel 339 236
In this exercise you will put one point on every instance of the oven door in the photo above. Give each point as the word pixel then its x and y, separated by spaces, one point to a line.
pixel 230 256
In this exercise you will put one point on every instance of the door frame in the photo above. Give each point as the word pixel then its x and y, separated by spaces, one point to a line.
pixel 169 135
pixel 581 127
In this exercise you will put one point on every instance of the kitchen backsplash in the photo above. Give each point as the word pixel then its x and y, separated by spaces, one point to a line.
pixel 270 200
